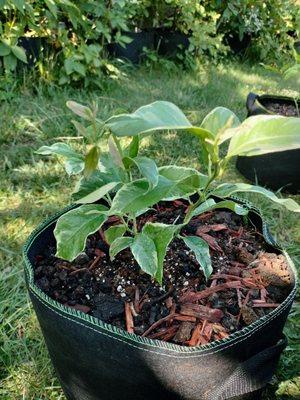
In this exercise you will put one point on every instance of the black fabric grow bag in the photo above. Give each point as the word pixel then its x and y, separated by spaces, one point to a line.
pixel 170 43
pixel 97 361
pixel 275 170
pixel 237 45
pixel 33 48
pixel 134 51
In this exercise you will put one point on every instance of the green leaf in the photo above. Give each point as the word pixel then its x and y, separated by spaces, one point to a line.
pixel 118 245
pixel 125 39
pixel 135 196
pixel 219 119
pixel 177 182
pixel 4 50
pixel 91 161
pixel 61 149
pixel 80 110
pixel 162 235
pixel 146 166
pixel 110 169
pixel 263 134
pixel 10 62
pixel 113 232
pixel 81 130
pixel 74 163
pixel 19 52
pixel 186 181
pixel 227 189
pixel 144 251
pixel 86 187
pixel 97 194
pixel 201 250
pixel 19 4
pixel 160 115
pixel 52 7
pixel 74 166
pixel 114 152
pixel 210 204
pixel 73 228
pixel 203 207
pixel 133 148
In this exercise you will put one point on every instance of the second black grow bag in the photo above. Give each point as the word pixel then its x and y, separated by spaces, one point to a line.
pixel 97 361
pixel 274 170
pixel 135 50
pixel 170 43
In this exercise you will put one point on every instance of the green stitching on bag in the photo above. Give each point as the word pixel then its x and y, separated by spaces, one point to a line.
pixel 231 340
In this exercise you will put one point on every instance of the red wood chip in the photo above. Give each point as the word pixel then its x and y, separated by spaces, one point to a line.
pixel 190 296
pixel 201 312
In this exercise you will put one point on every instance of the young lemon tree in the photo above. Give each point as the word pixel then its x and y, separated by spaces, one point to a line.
pixel 129 184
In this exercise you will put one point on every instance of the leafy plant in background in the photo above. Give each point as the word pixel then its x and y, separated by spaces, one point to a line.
pixel 269 25
pixel 82 36
pixel 196 19
pixel 77 32
pixel 293 73
pixel 13 19
pixel 130 184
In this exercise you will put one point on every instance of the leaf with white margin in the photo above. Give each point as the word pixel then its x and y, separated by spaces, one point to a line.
pixel 73 228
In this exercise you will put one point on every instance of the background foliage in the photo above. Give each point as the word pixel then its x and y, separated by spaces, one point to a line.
pixel 75 35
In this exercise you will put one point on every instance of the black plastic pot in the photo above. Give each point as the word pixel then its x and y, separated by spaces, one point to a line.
pixel 237 45
pixel 97 361
pixel 276 170
pixel 134 51
pixel 168 43
pixel 33 47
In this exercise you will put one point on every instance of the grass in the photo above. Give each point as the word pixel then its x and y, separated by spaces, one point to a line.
pixel 33 188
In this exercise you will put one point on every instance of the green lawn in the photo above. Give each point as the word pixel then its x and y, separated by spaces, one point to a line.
pixel 32 188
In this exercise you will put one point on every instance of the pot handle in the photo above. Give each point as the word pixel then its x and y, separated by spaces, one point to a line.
pixel 251 375
pixel 250 101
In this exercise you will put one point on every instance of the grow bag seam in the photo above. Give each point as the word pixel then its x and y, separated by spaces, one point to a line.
pixel 231 340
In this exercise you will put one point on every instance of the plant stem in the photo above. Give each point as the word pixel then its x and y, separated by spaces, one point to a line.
pixel 216 168
pixel 135 230
pixel 126 224
pixel 120 150
pixel 296 104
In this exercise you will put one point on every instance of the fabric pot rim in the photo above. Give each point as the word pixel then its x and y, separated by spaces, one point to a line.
pixel 253 98
pixel 134 340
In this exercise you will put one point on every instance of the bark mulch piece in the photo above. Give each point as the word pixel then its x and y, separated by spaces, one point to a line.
pixel 288 110
pixel 247 282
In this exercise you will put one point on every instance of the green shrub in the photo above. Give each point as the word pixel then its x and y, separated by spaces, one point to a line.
pixel 271 25
pixel 77 32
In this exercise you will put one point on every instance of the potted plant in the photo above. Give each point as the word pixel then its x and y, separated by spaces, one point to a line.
pixel 187 29
pixel 277 170
pixel 137 34
pixel 170 38
pixel 158 281
pixel 20 35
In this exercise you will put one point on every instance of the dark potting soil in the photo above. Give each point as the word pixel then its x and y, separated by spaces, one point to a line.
pixel 287 110
pixel 246 284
